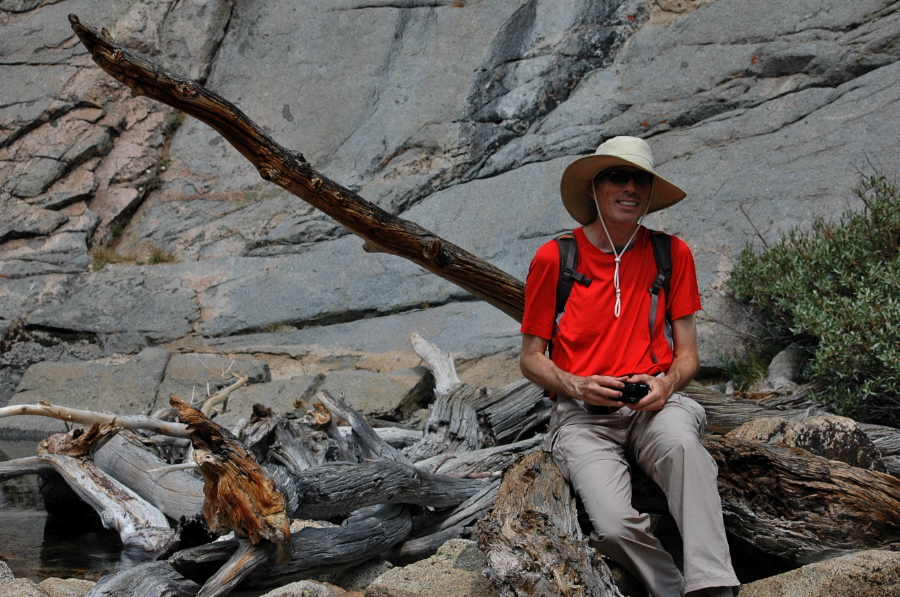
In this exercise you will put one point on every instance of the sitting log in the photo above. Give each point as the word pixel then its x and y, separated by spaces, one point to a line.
pixel 531 538
pixel 800 507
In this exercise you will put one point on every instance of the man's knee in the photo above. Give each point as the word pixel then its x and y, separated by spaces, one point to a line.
pixel 614 529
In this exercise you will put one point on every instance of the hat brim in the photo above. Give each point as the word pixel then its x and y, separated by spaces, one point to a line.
pixel 573 187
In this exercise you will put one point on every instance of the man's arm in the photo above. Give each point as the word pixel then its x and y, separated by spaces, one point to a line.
pixel 537 367
pixel 684 366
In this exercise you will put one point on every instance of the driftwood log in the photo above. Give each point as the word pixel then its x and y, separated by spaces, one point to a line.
pixel 138 523
pixel 800 507
pixel 238 493
pixel 532 540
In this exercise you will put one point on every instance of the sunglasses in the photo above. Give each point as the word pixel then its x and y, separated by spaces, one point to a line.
pixel 620 178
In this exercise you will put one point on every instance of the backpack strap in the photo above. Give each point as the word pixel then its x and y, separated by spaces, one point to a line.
pixel 662 253
pixel 568 276
pixel 568 272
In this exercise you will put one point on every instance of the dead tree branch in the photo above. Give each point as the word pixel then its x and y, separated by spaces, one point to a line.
pixel 380 230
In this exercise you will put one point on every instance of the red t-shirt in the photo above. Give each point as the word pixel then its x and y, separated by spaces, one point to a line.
pixel 591 340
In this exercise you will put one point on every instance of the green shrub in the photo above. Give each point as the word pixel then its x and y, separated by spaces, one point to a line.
pixel 835 290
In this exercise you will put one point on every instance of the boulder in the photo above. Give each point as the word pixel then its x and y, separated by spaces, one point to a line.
pixel 830 436
pixel 392 396
pixel 454 570
pixel 193 377
pixel 358 578
pixel 282 396
pixel 861 574
pixel 311 588
pixel 20 587
pixel 66 587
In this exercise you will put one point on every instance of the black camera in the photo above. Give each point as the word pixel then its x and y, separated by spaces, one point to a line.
pixel 634 391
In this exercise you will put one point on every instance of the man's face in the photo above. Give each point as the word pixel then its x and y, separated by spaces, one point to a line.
pixel 623 193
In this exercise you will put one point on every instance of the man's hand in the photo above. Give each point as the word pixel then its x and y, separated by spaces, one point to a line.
pixel 660 390
pixel 601 390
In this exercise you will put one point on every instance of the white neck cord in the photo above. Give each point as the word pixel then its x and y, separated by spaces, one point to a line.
pixel 618 256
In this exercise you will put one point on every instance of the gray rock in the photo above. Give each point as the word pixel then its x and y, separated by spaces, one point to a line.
pixel 191 34
pixel 20 587
pixel 307 588
pixel 66 587
pixel 330 283
pixel 5 572
pixel 76 186
pixel 64 253
pixel 468 330
pixel 783 372
pixel 832 437
pixel 126 387
pixel 861 574
pixel 392 396
pixel 281 396
pixel 193 377
pixel 358 578
pixel 24 221
pixel 149 300
pixel 454 570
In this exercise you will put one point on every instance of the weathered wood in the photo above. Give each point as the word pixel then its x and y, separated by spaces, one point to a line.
pixel 242 563
pixel 153 579
pixel 441 527
pixel 465 417
pixel 372 445
pixel 441 364
pixel 471 418
pixel 138 523
pixel 240 496
pixel 396 437
pixel 452 425
pixel 515 411
pixel 801 507
pixel 313 550
pixel 221 397
pixel 495 459
pixel 532 540
pixel 725 413
pixel 381 230
pixel 175 492
pixel 343 487
pixel 87 417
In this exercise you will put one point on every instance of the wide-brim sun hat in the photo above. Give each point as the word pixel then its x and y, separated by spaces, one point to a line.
pixel 618 151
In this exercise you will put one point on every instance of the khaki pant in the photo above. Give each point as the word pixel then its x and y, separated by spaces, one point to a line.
pixel 593 452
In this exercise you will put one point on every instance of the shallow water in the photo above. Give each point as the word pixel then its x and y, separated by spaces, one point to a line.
pixel 38 546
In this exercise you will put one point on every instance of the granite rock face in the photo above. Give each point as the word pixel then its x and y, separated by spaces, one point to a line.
pixel 458 115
